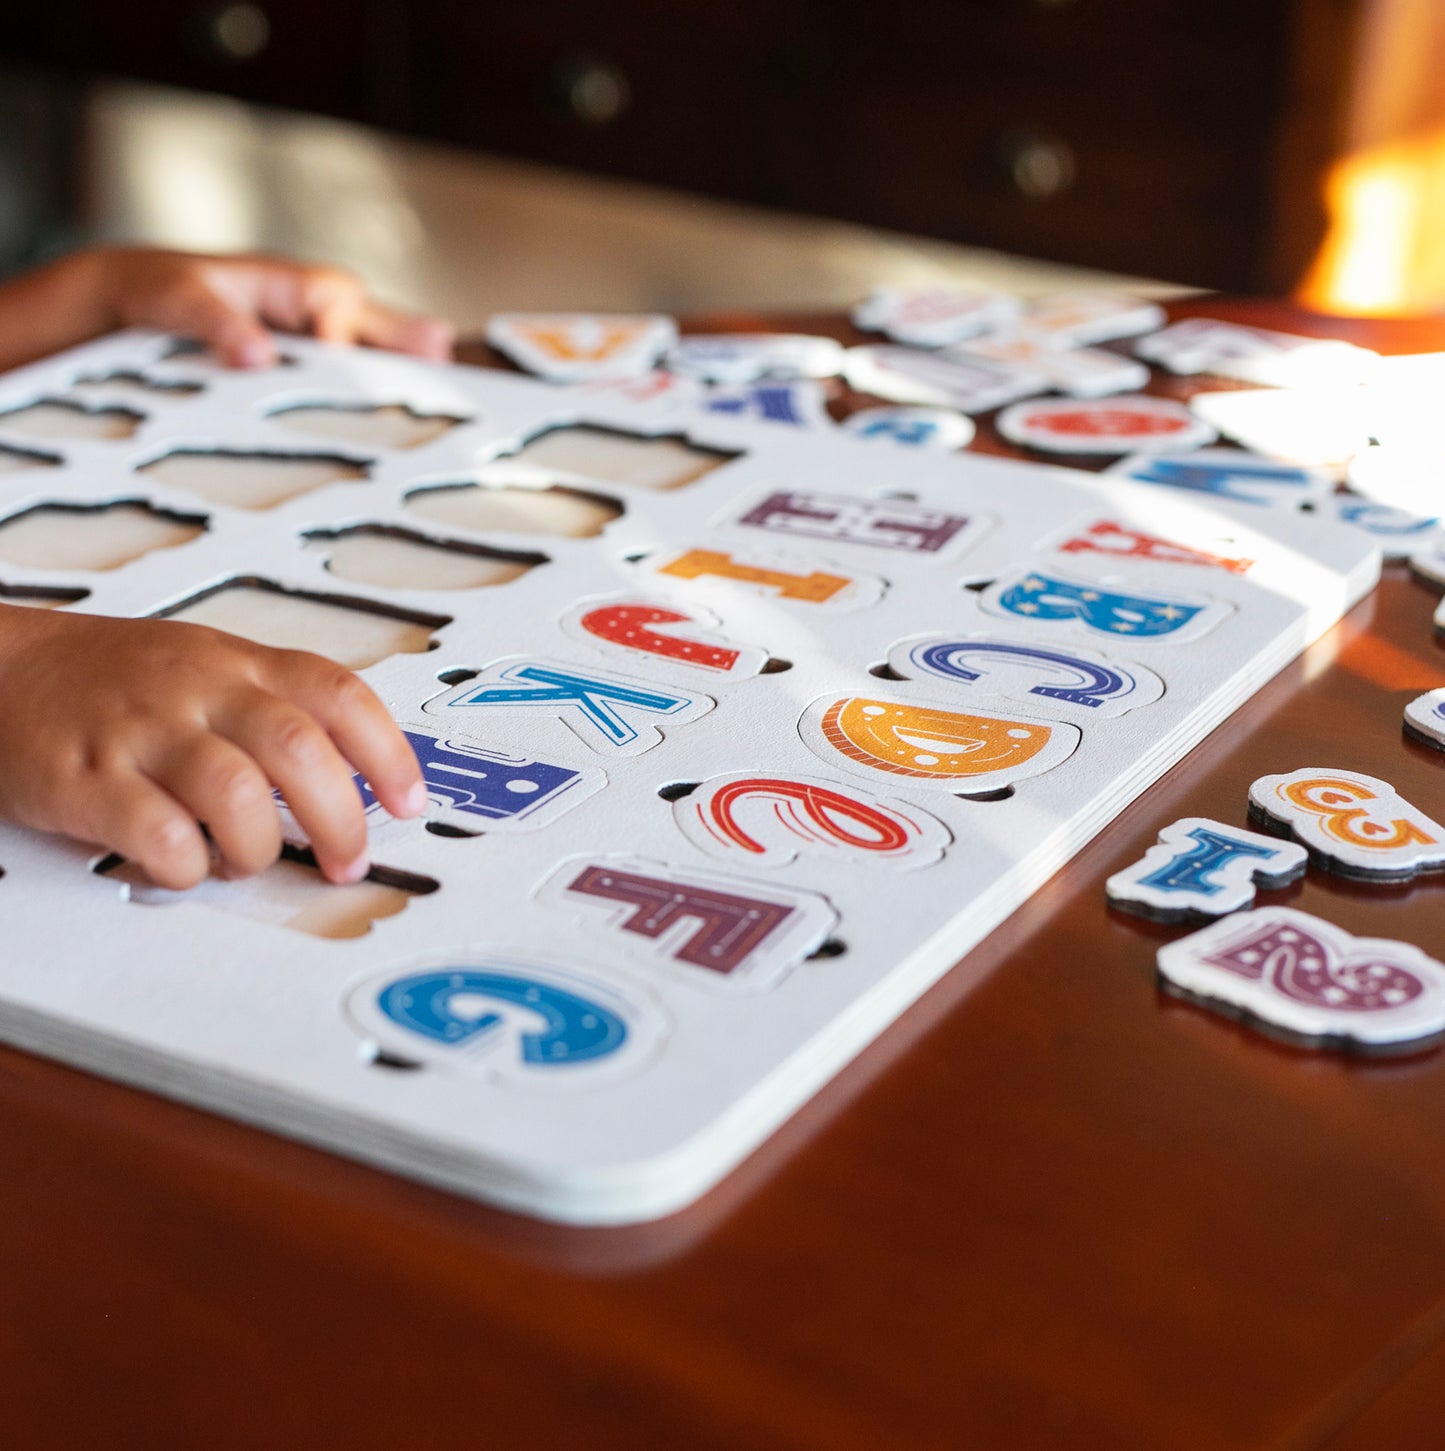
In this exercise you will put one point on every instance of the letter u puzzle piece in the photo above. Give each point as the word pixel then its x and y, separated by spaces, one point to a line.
pixel 726 765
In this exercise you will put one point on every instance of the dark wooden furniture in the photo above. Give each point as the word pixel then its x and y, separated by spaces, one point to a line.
pixel 1051 1208
pixel 1117 133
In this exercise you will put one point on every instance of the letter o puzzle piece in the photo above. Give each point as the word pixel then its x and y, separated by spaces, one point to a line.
pixel 1202 868
pixel 1287 972
pixel 1129 424
pixel 1354 824
pixel 1425 718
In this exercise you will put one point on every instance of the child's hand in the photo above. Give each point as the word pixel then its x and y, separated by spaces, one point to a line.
pixel 226 302
pixel 131 733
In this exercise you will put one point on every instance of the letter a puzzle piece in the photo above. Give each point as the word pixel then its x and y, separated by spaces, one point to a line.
pixel 1425 718
pixel 613 714
pixel 1202 868
pixel 1292 973
pixel 1054 599
pixel 580 347
pixel 736 932
pixel 963 753
pixel 510 1020
pixel 770 820
pixel 662 634
pixel 1352 823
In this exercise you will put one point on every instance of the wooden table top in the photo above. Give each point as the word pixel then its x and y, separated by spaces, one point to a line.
pixel 1052 1207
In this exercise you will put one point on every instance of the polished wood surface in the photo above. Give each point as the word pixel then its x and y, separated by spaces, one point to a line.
pixel 1052 1207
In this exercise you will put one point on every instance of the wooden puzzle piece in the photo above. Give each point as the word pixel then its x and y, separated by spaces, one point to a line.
pixel 1229 473
pixel 587 453
pixel 962 752
pixel 64 418
pixel 1425 718
pixel 577 346
pixel 1203 868
pixel 1059 601
pixel 396 559
pixel 1354 824
pixel 936 316
pixel 896 524
pixel 1130 423
pixel 509 1018
pixel 746 357
pixel 290 894
pixel 353 632
pixel 724 930
pixel 809 582
pixel 96 538
pixel 372 425
pixel 769 819
pixel 251 479
pixel 615 715
pixel 508 509
pixel 1291 973
pixel 940 428
pixel 1073 680
pixel 662 634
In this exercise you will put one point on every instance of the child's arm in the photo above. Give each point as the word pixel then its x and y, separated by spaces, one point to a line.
pixel 226 302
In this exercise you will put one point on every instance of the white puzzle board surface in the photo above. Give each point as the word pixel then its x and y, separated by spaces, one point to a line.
pixel 903 686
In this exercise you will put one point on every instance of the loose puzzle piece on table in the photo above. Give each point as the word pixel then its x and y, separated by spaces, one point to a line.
pixel 746 357
pixel 1129 424
pixel 1252 354
pixel 1425 718
pixel 1293 974
pixel 575 347
pixel 1081 372
pixel 1203 868
pixel 1355 824
pixel 940 428
pixel 938 380
pixel 691 843
pixel 934 317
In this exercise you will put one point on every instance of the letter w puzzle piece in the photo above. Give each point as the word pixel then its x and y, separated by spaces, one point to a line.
pixel 1202 868
pixel 616 716
pixel 1352 823
pixel 1287 971
pixel 734 932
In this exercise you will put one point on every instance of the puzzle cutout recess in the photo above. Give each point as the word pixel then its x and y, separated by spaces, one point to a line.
pixel 738 736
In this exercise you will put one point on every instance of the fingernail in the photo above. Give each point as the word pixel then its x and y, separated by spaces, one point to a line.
pixel 416 799
pixel 256 352
pixel 355 871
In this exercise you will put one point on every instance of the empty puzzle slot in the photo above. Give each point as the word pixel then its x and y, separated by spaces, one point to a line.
pixel 355 633
pixel 397 559
pixel 17 460
pixel 61 418
pixel 509 509
pixel 130 380
pixel 252 480
pixel 291 894
pixel 192 350
pixel 375 425
pixel 40 597
pixel 612 456
pixel 93 537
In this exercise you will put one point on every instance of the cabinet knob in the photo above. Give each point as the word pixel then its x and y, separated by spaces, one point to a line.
pixel 236 32
pixel 1035 164
pixel 592 91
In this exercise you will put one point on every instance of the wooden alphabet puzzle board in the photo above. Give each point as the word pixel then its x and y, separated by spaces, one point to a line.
pixel 738 736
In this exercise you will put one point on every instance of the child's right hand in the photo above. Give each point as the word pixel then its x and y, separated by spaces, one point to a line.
pixel 132 733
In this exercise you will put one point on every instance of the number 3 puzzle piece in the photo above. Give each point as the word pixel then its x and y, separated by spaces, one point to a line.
pixel 1354 824
pixel 1202 868
pixel 1284 970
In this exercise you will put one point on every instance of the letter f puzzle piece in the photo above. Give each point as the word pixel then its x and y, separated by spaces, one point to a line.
pixel 1352 823
pixel 1202 868
pixel 1285 970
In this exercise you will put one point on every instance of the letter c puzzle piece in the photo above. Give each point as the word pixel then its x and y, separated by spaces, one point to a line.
pixel 959 752
pixel 770 820
pixel 1202 868
pixel 1295 974
pixel 1352 823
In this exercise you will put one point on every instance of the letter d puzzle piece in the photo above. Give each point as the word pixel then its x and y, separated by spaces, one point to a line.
pixel 1287 971
pixel 1425 718
pixel 1354 824
pixel 1202 868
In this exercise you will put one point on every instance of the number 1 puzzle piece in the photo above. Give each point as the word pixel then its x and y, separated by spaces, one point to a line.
pixel 1425 718
pixel 1285 970
pixel 1202 868
pixel 1356 825
pixel 577 347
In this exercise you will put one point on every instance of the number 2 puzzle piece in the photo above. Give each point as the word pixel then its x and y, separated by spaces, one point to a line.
pixel 964 753
pixel 769 820
pixel 1202 868
pixel 1287 971
pixel 1425 718
pixel 578 347
pixel 1352 823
